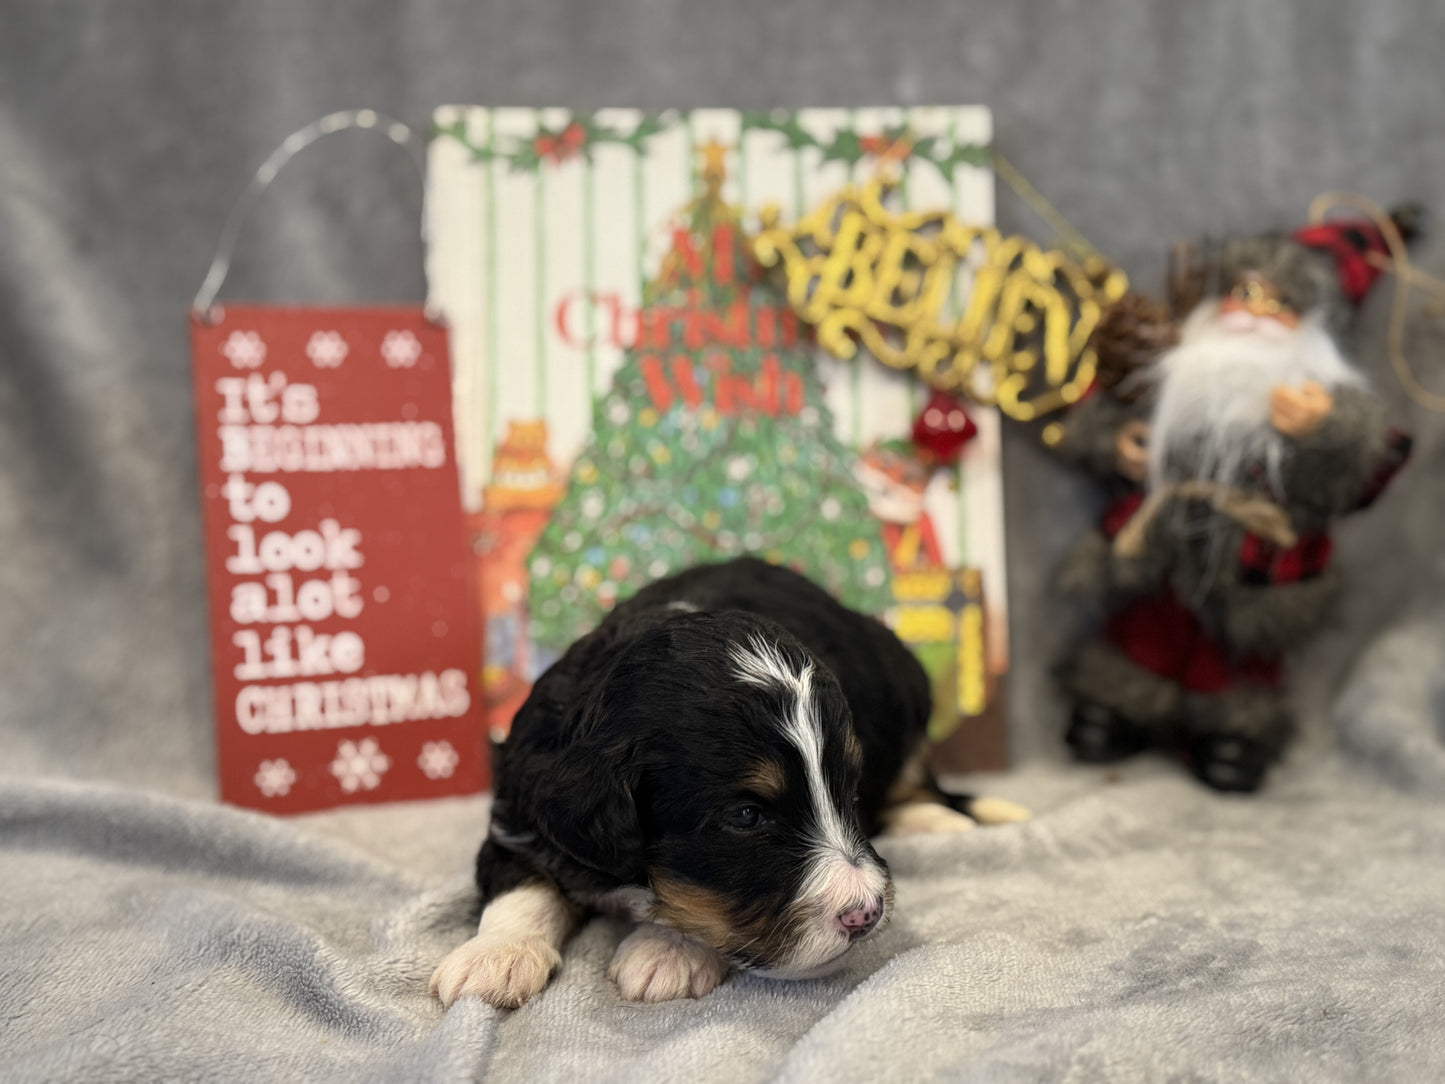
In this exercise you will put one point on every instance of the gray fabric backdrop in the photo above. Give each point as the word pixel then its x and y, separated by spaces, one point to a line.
pixel 126 132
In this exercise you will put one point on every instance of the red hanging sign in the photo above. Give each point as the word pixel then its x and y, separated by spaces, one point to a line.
pixel 344 636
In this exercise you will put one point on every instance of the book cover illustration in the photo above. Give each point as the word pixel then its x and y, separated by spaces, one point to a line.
pixel 634 396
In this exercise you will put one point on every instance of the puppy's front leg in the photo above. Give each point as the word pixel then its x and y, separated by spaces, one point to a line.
pixel 657 963
pixel 515 951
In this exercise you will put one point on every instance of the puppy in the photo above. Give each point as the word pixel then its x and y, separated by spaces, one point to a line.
pixel 710 763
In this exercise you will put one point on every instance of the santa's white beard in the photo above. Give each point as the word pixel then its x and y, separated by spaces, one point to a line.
pixel 1211 415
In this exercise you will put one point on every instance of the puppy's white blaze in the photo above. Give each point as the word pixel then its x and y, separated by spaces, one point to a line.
pixel 841 875
pixel 761 663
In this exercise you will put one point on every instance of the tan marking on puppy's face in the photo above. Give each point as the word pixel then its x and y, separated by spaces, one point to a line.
pixel 853 749
pixel 729 928
pixel 701 912
pixel 766 780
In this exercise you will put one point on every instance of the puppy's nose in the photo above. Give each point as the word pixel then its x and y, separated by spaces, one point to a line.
pixel 857 922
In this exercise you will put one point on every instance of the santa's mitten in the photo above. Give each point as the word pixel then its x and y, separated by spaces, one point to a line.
pixel 1352 451
pixel 1272 618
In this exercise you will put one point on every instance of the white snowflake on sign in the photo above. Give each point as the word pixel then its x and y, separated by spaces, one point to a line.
pixel 244 349
pixel 400 349
pixel 438 760
pixel 359 765
pixel 274 778
pixel 327 349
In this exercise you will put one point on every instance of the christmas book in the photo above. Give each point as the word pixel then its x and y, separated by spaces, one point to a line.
pixel 634 395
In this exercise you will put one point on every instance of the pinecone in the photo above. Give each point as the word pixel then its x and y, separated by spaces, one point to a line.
pixel 1132 333
pixel 1193 272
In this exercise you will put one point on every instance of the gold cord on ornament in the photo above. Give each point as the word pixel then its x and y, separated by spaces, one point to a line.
pixel 1406 277
pixel 1034 199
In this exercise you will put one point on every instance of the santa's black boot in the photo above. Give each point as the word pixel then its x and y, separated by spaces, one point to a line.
pixel 1235 736
pixel 1230 762
pixel 1100 735
pixel 1120 707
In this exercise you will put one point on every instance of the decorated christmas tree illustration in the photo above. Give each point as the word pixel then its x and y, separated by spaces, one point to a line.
pixel 713 441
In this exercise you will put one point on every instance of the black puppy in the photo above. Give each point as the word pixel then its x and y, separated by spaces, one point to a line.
pixel 710 763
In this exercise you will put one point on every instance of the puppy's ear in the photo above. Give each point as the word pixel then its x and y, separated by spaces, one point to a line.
pixel 583 801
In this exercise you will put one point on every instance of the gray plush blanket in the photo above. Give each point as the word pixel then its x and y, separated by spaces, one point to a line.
pixel 1139 928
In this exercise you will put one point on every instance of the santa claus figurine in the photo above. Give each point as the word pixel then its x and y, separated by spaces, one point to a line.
pixel 1259 434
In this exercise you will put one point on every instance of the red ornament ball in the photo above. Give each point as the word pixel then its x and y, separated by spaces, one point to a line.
pixel 943 428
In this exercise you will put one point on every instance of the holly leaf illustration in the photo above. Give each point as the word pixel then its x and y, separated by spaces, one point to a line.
pixel 457 130
pixel 795 136
pixel 846 147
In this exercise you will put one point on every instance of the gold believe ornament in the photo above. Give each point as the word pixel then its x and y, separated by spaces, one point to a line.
pixel 860 272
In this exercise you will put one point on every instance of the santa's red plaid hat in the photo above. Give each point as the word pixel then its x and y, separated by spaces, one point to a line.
pixel 1351 242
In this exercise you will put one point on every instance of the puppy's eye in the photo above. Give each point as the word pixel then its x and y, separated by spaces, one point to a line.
pixel 744 818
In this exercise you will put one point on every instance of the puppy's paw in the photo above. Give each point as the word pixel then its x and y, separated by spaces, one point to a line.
pixel 924 818
pixel 501 971
pixel 654 964
pixel 988 810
